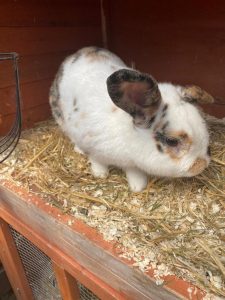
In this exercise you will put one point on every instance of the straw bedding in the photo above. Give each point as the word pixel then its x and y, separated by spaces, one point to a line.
pixel 176 226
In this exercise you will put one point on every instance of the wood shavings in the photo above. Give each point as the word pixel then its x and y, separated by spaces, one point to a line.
pixel 174 226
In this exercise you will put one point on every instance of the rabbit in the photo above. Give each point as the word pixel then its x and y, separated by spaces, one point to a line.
pixel 121 117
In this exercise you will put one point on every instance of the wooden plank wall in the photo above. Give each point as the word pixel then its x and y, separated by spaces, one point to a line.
pixel 177 41
pixel 43 33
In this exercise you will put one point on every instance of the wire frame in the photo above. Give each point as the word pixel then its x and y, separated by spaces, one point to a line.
pixel 9 141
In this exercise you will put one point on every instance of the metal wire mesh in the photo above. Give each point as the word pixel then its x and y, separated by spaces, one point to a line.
pixel 86 294
pixel 39 271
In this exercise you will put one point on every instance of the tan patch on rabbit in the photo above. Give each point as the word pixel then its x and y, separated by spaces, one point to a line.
pixel 195 94
pixel 83 115
pixel 95 53
pixel 198 166
pixel 114 109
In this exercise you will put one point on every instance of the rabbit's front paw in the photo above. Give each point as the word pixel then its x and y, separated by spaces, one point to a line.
pixel 78 150
pixel 98 169
pixel 137 179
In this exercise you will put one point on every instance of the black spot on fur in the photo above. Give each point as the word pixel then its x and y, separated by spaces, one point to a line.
pixel 76 56
pixel 209 151
pixel 165 125
pixel 54 95
pixel 151 121
pixel 75 108
pixel 159 147
pixel 165 107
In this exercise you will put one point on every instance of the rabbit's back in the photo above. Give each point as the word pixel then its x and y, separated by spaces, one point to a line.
pixel 83 107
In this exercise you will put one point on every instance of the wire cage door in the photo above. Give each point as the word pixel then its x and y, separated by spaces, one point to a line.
pixel 9 141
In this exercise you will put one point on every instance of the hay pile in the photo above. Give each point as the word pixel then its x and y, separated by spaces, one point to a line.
pixel 176 226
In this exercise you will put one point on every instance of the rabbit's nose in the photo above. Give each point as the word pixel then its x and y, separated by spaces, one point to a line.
pixel 198 166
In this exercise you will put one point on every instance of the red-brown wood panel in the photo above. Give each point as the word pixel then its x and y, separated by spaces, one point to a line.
pixel 36 92
pixel 31 68
pixel 30 117
pixel 49 13
pixel 175 41
pixel 43 33
pixel 38 40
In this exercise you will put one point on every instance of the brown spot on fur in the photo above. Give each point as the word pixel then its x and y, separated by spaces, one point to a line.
pixel 91 134
pixel 95 53
pixel 198 166
pixel 83 115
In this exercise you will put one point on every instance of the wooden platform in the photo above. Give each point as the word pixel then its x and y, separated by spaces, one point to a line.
pixel 77 251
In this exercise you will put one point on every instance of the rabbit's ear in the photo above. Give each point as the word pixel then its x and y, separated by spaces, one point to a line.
pixel 136 93
pixel 194 94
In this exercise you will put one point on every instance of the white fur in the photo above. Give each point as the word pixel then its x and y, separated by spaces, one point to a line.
pixel 107 133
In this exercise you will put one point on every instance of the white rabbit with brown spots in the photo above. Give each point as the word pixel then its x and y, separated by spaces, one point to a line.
pixel 121 117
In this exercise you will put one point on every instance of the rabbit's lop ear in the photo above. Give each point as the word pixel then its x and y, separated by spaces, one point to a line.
pixel 136 93
pixel 194 94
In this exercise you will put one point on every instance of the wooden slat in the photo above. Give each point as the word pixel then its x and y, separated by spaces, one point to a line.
pixel 67 284
pixel 49 13
pixel 12 264
pixel 39 40
pixel 29 117
pixel 32 68
pixel 32 94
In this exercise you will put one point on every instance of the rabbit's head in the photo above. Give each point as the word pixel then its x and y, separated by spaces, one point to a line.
pixel 169 117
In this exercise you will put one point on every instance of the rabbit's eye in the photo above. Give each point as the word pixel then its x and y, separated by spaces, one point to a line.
pixel 169 141
pixel 172 142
